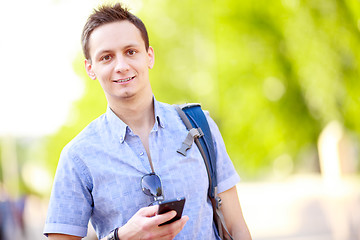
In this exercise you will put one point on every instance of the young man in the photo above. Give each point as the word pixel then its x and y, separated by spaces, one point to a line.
pixel 101 171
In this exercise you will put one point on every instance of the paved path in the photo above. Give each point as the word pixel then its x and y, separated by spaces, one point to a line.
pixel 302 208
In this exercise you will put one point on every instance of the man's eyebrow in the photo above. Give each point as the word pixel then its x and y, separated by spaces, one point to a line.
pixel 136 45
pixel 101 52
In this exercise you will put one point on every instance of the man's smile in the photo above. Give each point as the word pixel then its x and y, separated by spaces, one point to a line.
pixel 124 80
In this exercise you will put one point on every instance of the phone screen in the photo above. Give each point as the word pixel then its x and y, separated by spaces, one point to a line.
pixel 174 204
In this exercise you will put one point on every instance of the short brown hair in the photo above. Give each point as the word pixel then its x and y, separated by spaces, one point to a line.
pixel 108 14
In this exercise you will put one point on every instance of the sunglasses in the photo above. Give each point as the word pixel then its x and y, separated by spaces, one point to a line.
pixel 151 186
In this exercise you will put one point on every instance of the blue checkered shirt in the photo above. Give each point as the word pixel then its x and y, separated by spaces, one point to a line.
pixel 99 172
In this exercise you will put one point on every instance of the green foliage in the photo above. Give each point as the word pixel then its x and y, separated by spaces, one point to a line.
pixel 272 74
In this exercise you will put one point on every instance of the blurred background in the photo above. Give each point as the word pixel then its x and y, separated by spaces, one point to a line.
pixel 280 78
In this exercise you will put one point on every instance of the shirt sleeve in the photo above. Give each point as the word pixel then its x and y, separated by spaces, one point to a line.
pixel 70 203
pixel 227 176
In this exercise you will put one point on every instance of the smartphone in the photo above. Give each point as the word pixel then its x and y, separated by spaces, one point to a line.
pixel 174 204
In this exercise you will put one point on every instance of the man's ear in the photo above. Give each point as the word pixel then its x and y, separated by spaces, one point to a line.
pixel 151 56
pixel 88 68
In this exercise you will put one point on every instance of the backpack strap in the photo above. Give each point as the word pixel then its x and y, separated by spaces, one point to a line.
pixel 193 134
pixel 199 132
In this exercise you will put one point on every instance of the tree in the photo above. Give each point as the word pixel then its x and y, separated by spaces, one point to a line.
pixel 272 76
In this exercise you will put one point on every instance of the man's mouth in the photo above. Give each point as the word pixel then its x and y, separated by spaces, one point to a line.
pixel 125 79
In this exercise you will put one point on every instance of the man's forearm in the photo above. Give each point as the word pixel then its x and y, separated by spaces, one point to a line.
pixel 56 236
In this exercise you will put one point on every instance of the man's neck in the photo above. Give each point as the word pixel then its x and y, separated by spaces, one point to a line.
pixel 138 113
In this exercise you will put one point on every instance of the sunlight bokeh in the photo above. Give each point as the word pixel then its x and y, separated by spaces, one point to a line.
pixel 39 40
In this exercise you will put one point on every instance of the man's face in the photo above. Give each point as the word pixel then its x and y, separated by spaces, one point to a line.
pixel 120 61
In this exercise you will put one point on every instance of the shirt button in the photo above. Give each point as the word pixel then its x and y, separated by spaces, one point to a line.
pixel 141 153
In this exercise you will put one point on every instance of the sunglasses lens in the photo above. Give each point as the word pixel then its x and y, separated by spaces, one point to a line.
pixel 151 185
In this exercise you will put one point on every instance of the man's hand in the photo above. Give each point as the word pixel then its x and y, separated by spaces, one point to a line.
pixel 145 225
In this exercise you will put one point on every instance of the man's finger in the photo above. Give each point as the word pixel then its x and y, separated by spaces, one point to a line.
pixel 161 218
pixel 149 211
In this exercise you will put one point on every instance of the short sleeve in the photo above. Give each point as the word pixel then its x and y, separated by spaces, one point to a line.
pixel 227 176
pixel 70 203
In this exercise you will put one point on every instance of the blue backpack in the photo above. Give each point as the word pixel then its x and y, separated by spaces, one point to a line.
pixel 199 132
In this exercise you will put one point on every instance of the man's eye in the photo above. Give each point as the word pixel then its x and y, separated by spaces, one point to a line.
pixel 106 58
pixel 131 52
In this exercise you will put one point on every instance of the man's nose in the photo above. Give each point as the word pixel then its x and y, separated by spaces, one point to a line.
pixel 121 64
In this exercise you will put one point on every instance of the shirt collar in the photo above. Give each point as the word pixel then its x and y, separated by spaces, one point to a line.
pixel 119 129
pixel 160 117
